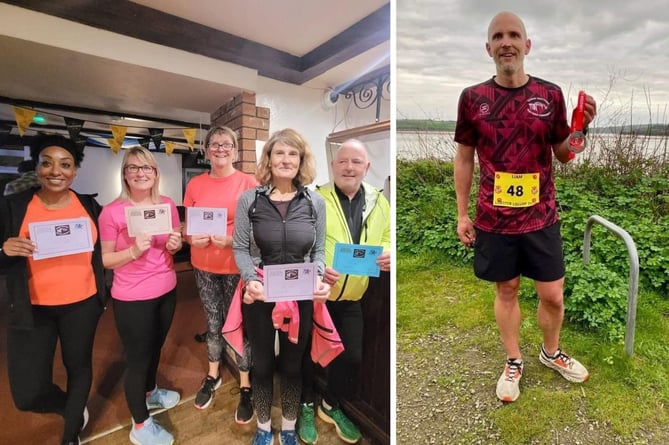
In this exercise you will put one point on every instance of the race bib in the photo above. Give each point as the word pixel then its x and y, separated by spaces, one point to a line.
pixel 516 189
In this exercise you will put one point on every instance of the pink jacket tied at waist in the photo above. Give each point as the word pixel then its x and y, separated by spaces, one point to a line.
pixel 286 317
pixel 325 341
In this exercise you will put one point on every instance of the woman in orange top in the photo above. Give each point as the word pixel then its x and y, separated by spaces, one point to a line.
pixel 216 273
pixel 55 298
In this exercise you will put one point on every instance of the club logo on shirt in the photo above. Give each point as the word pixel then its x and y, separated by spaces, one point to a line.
pixel 484 109
pixel 538 106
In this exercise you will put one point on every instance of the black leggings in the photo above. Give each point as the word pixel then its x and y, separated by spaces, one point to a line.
pixel 30 354
pixel 261 335
pixel 143 327
pixel 342 372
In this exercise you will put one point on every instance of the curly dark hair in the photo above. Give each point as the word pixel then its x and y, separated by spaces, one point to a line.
pixel 43 141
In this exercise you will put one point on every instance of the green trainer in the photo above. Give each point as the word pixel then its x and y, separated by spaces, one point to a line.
pixel 306 427
pixel 346 430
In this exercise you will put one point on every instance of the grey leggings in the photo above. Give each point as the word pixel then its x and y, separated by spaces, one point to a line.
pixel 216 291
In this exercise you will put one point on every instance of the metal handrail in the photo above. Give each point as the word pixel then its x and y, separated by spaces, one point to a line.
pixel 633 276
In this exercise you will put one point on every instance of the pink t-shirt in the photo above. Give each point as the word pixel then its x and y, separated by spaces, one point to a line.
pixel 205 191
pixel 152 274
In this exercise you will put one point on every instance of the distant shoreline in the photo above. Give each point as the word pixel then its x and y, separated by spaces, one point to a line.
pixel 437 125
pixel 424 125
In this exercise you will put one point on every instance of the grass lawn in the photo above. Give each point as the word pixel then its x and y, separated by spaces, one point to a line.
pixel 624 401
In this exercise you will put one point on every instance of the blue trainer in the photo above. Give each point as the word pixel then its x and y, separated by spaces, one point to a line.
pixel 162 398
pixel 151 433
pixel 263 438
pixel 288 437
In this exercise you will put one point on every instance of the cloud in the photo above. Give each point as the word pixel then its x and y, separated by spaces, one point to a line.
pixel 614 49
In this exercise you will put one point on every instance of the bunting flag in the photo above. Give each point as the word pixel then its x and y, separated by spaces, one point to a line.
pixel 80 143
pixel 118 132
pixel 144 142
pixel 114 145
pixel 189 134
pixel 156 135
pixel 169 147
pixel 74 127
pixel 4 133
pixel 23 118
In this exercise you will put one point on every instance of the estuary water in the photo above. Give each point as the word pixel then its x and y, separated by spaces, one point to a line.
pixel 418 144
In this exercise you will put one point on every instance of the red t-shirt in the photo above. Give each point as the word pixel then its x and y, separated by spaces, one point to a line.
pixel 513 131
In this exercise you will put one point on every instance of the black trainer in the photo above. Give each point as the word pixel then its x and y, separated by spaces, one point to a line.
pixel 244 412
pixel 206 393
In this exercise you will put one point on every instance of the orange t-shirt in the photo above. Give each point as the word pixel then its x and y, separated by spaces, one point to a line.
pixel 205 191
pixel 64 279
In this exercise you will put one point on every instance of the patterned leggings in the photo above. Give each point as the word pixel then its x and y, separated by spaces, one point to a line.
pixel 261 332
pixel 216 291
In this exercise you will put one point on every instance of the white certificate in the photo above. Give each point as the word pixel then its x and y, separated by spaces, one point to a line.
pixel 206 221
pixel 287 282
pixel 152 220
pixel 61 237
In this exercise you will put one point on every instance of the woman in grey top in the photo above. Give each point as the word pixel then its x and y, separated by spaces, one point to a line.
pixel 279 222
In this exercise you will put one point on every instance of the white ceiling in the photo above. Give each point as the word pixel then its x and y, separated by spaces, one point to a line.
pixel 52 60
pixel 294 26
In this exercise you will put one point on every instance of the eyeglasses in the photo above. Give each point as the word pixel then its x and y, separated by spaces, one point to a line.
pixel 226 145
pixel 147 169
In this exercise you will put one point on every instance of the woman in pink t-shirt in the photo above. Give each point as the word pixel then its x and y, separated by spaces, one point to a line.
pixel 215 270
pixel 143 289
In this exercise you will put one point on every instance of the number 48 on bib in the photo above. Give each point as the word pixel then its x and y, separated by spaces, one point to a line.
pixel 516 189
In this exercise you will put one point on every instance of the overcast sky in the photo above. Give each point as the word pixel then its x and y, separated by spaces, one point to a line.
pixel 617 50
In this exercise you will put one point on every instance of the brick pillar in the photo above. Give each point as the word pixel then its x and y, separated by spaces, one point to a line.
pixel 251 124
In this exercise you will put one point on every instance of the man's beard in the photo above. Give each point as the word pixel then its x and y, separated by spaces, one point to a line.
pixel 508 69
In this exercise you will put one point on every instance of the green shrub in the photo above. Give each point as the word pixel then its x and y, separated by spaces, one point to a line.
pixel 427 220
pixel 426 214
pixel 596 297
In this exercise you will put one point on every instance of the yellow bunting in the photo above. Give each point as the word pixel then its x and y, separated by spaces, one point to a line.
pixel 169 147
pixel 118 131
pixel 189 134
pixel 23 118
pixel 114 145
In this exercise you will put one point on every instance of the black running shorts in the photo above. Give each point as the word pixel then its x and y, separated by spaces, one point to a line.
pixel 536 255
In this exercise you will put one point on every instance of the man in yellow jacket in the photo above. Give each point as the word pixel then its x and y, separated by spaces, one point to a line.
pixel 356 213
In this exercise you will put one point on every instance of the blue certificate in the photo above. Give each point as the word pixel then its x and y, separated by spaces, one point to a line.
pixel 357 259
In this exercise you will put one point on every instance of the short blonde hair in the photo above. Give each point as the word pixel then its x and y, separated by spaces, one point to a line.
pixel 146 156
pixel 306 173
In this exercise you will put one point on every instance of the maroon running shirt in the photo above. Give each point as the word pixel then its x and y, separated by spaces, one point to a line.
pixel 513 131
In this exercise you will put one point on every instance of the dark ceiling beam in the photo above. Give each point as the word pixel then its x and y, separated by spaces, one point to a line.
pixel 369 32
pixel 144 23
pixel 124 17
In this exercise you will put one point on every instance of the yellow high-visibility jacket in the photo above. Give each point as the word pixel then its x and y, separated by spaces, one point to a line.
pixel 375 232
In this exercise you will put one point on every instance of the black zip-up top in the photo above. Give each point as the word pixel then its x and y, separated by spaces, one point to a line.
pixel 263 236
pixel 12 211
